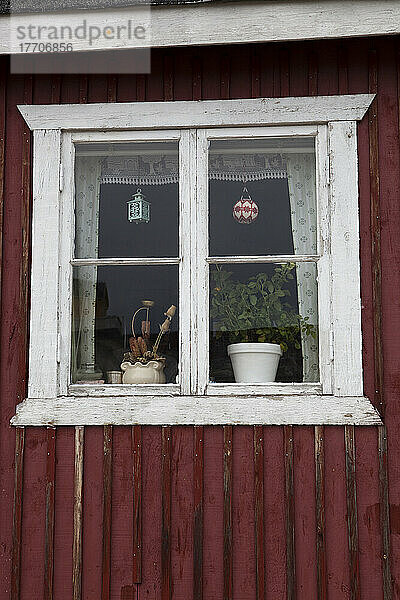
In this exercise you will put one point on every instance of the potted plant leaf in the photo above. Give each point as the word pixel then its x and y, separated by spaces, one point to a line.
pixel 258 320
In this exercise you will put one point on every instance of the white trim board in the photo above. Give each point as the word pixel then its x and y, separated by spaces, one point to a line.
pixel 197 410
pixel 193 114
pixel 228 23
pixel 342 401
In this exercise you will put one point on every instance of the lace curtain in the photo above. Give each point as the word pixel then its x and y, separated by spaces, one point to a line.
pixel 87 193
pixel 162 169
pixel 299 169
pixel 303 210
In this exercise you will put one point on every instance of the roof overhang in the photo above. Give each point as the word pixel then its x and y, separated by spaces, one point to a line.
pixel 212 23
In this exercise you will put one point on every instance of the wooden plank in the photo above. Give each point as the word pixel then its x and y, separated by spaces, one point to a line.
pixel 207 113
pixel 137 503
pixel 112 83
pixel 345 261
pixel 141 87
pixel 375 232
pixel 259 510
pixel 201 24
pixel 17 514
pixel 384 512
pixel 45 239
pixel 166 575
pixel 168 73
pixel 289 514
pixel 284 72
pixel 313 74
pixel 107 504
pixel 320 512
pixel 225 74
pixel 3 84
pixel 228 554
pixel 198 500
pixel 254 389
pixel 49 514
pixel 189 410
pixel 26 205
pixel 77 534
pixel 197 79
pixel 255 74
pixel 352 525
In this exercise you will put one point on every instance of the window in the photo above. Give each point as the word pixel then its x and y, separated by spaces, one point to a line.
pixel 243 218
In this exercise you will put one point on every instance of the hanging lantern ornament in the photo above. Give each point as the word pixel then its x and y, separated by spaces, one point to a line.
pixel 245 210
pixel 138 208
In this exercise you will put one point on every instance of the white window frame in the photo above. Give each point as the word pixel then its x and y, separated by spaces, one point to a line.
pixel 338 399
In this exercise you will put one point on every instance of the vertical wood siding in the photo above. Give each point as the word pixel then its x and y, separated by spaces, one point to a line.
pixel 199 513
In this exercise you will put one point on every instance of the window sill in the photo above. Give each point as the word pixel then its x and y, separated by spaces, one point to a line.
pixel 197 410
pixel 123 390
pixel 213 389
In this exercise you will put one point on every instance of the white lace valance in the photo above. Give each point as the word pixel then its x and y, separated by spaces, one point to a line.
pixel 164 169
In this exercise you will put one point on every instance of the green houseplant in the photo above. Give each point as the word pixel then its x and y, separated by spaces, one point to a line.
pixel 257 312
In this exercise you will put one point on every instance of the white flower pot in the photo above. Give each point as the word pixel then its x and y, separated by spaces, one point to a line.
pixel 152 372
pixel 254 362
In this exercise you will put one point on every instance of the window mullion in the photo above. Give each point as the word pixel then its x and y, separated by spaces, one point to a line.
pixel 185 200
pixel 67 228
pixel 200 290
pixel 324 264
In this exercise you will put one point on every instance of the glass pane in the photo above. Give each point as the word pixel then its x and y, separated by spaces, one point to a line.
pixel 253 306
pixel 126 200
pixel 104 302
pixel 262 197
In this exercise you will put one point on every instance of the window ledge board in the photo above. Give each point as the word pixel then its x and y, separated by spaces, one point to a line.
pixel 197 410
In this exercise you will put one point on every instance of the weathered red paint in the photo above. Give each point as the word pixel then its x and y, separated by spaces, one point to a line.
pixel 352 519
pixel 320 511
pixel 78 514
pixel 166 576
pixel 289 513
pixel 228 555
pixel 259 511
pixel 137 504
pixel 325 67
pixel 49 513
pixel 17 513
pixel 198 511
pixel 107 504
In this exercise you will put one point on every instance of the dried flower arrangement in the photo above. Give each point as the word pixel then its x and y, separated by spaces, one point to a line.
pixel 139 349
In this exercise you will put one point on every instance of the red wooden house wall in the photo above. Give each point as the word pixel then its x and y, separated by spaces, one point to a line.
pixel 239 513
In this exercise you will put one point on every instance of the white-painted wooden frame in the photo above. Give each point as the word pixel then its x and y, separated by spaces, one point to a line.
pixel 215 23
pixel 337 399
pixel 195 114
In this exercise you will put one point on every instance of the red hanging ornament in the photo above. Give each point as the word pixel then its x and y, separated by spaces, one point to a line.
pixel 245 210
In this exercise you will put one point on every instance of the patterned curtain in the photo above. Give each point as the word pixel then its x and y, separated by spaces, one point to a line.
pixel 87 192
pixel 303 207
